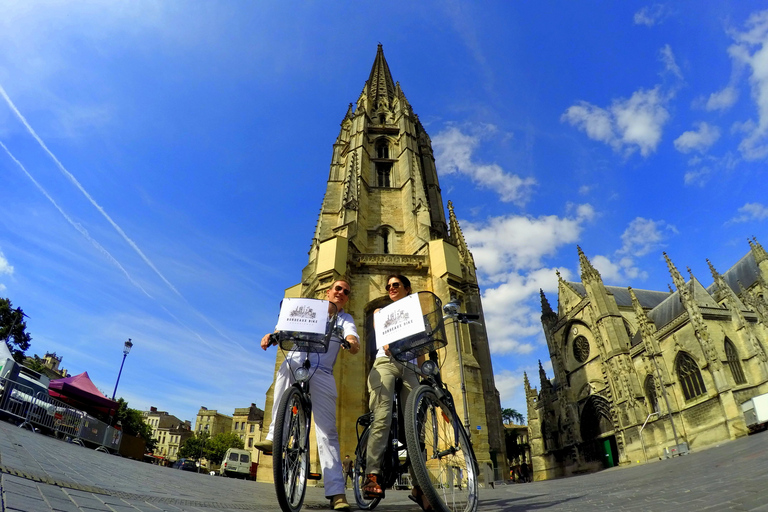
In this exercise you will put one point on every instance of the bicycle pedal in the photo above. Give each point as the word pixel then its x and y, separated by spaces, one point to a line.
pixel 315 476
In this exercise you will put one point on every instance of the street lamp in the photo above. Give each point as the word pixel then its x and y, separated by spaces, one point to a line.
pixel 126 350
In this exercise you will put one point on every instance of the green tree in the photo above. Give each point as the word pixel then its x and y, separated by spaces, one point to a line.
pixel 218 445
pixel 13 329
pixel 133 424
pixel 194 447
pixel 510 415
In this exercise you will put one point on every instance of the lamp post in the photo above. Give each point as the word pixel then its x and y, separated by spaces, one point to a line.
pixel 126 350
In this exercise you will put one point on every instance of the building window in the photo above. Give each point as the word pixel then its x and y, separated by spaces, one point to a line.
pixel 690 377
pixel 237 423
pixel 734 363
pixel 252 428
pixel 385 240
pixel 650 393
pixel 383 170
pixel 250 442
pixel 581 349
pixel 382 149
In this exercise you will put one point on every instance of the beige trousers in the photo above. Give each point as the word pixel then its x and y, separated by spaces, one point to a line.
pixel 381 387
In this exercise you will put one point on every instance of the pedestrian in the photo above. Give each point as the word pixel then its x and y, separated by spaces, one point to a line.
pixel 323 395
pixel 346 465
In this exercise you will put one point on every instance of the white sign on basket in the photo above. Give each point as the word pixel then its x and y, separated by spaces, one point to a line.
pixel 398 320
pixel 303 315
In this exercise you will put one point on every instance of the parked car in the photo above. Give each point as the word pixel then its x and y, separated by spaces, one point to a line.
pixel 185 464
pixel 236 463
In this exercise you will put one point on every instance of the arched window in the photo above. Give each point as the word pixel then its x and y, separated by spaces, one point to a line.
pixel 382 149
pixel 650 393
pixel 690 376
pixel 386 245
pixel 734 363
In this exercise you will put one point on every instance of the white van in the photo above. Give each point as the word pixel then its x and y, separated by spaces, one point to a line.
pixel 236 463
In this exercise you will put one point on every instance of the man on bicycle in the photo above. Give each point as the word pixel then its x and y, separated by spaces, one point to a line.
pixel 323 395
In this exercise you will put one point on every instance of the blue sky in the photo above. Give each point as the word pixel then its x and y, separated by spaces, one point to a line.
pixel 163 163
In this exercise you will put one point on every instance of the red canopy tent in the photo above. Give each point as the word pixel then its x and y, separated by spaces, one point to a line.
pixel 80 392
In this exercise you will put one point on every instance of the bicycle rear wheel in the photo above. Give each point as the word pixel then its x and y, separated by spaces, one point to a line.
pixel 290 462
pixel 442 459
pixel 361 454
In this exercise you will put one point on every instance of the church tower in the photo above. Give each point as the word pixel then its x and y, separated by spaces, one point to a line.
pixel 383 214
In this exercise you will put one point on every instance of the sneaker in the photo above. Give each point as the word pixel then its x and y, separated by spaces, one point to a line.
pixel 339 502
pixel 264 446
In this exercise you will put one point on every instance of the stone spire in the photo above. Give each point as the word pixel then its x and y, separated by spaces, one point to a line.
pixel 722 288
pixel 694 313
pixel 647 327
pixel 546 309
pixel 758 251
pixel 457 237
pixel 588 272
pixel 381 87
pixel 677 278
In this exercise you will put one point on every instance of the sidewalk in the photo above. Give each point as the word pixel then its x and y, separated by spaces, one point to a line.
pixel 41 474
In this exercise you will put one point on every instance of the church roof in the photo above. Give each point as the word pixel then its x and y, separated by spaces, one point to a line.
pixel 744 271
pixel 647 298
pixel 381 87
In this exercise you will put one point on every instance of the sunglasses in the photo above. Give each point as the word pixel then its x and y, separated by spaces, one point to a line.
pixel 393 285
pixel 342 289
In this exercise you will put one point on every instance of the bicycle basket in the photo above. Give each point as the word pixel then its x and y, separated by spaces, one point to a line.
pixel 297 313
pixel 433 336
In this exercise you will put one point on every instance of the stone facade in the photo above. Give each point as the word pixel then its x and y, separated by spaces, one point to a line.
pixel 638 372
pixel 383 214
pixel 168 431
pixel 212 422
pixel 247 423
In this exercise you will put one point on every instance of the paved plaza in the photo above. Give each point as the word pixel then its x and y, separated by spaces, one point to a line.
pixel 43 474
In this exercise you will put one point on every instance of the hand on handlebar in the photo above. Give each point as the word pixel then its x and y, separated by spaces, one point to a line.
pixel 352 344
pixel 268 339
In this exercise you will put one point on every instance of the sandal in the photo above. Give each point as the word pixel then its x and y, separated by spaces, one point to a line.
pixel 371 488
pixel 418 497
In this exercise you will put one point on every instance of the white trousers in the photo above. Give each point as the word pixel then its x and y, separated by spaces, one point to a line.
pixel 322 387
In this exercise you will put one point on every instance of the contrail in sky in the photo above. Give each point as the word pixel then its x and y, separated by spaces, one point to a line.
pixel 104 214
pixel 85 193
pixel 75 225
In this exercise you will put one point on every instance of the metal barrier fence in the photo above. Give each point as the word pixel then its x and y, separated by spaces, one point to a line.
pixel 40 411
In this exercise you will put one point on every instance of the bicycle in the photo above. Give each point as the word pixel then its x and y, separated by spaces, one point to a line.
pixel 438 447
pixel 290 462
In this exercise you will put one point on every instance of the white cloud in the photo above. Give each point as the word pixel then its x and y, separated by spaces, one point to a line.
pixel 617 272
pixel 509 253
pixel 627 125
pixel 650 16
pixel 454 154
pixel 751 211
pixel 520 242
pixel 670 65
pixel 698 177
pixel 751 50
pixel 644 235
pixel 5 267
pixel 722 100
pixel 700 140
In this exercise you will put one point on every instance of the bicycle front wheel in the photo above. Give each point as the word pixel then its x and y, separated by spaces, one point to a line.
pixel 442 459
pixel 290 461
pixel 361 455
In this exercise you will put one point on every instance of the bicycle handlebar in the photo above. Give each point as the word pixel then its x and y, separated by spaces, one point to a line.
pixel 274 340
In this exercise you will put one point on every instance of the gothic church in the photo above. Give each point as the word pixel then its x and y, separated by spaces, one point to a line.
pixel 642 374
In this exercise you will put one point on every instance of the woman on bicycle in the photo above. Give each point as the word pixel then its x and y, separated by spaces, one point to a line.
pixel 323 395
pixel 381 388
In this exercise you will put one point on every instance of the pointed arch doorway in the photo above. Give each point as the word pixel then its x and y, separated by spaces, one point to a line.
pixel 597 432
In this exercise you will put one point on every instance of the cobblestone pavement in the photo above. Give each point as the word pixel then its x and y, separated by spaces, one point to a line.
pixel 42 474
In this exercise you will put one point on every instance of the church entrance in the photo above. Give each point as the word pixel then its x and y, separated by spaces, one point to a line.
pixel 597 432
